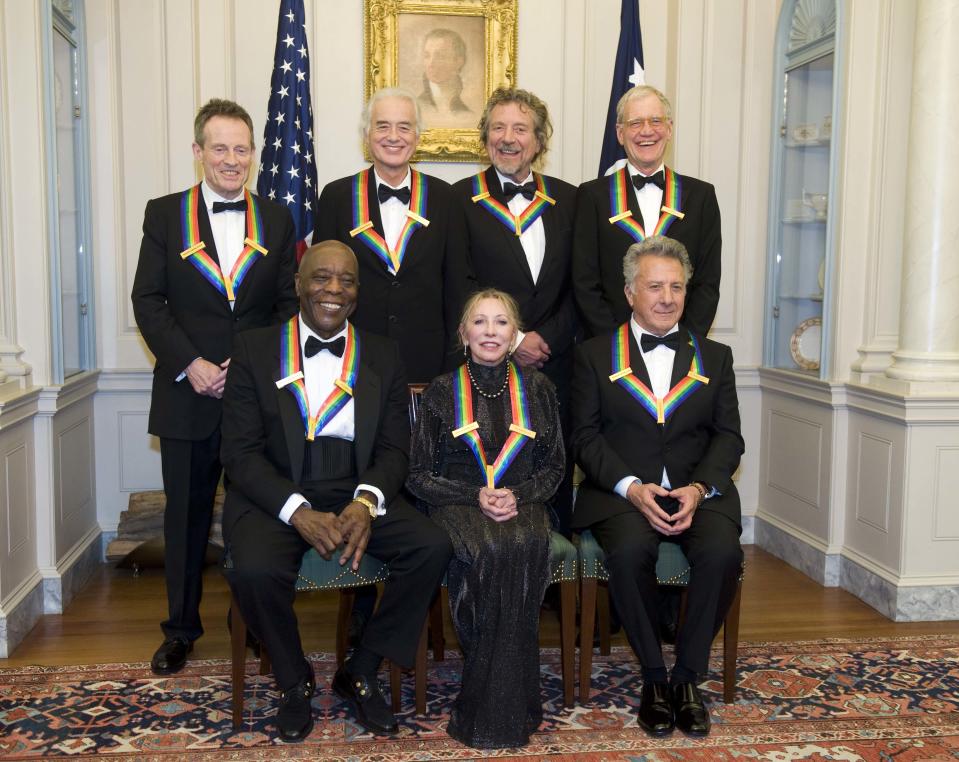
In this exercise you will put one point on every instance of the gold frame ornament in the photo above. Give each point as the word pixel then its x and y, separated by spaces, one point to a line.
pixel 384 66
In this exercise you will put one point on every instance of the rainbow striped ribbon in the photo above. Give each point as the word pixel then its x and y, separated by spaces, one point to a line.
pixel 194 248
pixel 623 218
pixel 363 225
pixel 518 223
pixel 659 408
pixel 468 428
pixel 291 375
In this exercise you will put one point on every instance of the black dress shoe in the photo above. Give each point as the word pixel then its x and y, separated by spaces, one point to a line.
pixel 372 711
pixel 294 715
pixel 170 656
pixel 691 715
pixel 655 713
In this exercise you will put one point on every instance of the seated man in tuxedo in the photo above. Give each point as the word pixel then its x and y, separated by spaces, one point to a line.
pixel 656 431
pixel 315 446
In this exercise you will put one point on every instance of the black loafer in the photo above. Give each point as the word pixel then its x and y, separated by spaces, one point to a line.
pixel 372 711
pixel 170 657
pixel 655 713
pixel 690 710
pixel 294 715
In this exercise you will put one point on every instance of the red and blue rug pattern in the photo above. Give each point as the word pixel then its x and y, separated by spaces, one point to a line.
pixel 877 700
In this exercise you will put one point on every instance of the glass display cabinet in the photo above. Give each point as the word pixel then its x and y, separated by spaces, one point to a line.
pixel 800 227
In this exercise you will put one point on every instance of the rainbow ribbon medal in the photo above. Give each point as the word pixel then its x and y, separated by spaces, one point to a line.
pixel 619 185
pixel 519 223
pixel 194 248
pixel 363 225
pixel 291 375
pixel 659 408
pixel 468 428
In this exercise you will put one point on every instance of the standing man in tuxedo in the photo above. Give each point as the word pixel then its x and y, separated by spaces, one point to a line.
pixel 215 259
pixel 641 199
pixel 656 432
pixel 315 444
pixel 519 236
pixel 406 232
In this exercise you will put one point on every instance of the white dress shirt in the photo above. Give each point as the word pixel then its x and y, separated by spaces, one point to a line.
pixel 533 240
pixel 659 365
pixel 319 373
pixel 650 198
pixel 393 211
pixel 229 230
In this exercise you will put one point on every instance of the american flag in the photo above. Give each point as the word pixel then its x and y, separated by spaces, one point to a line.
pixel 287 164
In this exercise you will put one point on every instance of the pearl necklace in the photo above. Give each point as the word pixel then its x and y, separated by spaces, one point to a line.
pixel 476 386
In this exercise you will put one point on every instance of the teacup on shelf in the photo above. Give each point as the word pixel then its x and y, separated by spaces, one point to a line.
pixel 817 202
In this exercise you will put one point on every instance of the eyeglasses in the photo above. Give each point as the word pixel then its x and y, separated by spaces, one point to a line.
pixel 654 122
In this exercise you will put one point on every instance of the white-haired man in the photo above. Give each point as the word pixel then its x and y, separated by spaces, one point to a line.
pixel 406 232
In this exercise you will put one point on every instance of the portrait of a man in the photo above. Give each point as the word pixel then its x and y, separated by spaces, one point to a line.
pixel 442 60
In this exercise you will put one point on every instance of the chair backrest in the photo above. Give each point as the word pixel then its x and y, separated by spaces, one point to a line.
pixel 415 391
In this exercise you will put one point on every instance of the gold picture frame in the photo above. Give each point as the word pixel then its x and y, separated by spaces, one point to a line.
pixel 451 54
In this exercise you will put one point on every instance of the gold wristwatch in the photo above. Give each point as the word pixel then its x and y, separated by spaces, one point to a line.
pixel 370 506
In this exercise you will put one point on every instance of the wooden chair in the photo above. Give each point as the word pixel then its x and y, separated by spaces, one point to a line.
pixel 672 569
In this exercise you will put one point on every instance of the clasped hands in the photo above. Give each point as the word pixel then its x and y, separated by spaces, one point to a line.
pixel 643 497
pixel 532 351
pixel 498 503
pixel 207 378
pixel 326 531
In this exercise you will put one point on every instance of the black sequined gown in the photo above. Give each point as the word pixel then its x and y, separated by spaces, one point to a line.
pixel 499 571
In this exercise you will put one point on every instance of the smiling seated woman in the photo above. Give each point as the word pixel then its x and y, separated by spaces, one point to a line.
pixel 486 455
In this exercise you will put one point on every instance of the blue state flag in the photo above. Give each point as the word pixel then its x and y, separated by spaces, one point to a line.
pixel 627 73
pixel 287 162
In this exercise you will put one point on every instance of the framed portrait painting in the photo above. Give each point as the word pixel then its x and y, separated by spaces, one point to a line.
pixel 451 54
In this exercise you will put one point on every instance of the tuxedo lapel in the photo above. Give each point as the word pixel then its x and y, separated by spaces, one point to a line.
pixel 293 429
pixel 636 361
pixel 511 240
pixel 206 232
pixel 373 201
pixel 366 412
pixel 683 358
pixel 550 220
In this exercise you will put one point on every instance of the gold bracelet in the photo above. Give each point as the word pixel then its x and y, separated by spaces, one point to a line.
pixel 701 490
pixel 369 506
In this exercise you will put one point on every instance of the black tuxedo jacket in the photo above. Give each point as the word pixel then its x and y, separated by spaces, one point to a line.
pixel 498 261
pixel 263 434
pixel 599 247
pixel 420 306
pixel 614 436
pixel 182 316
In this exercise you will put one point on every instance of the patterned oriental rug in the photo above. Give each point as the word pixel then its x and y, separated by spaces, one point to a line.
pixel 876 700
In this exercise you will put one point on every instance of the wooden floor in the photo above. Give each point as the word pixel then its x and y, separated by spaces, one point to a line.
pixel 115 618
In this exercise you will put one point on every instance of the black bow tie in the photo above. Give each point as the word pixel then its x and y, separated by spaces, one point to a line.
pixel 385 193
pixel 527 190
pixel 671 340
pixel 658 179
pixel 314 345
pixel 229 206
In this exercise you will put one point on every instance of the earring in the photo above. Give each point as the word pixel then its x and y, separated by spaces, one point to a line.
pixel 466 351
